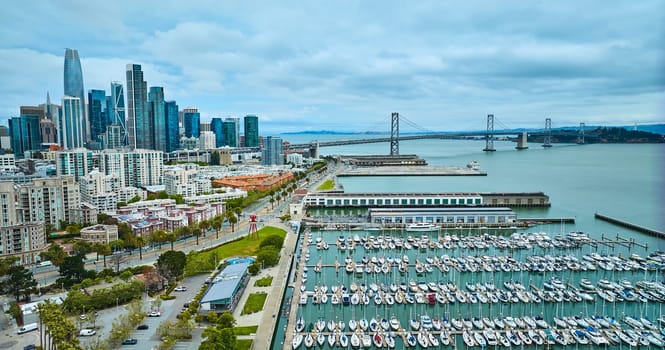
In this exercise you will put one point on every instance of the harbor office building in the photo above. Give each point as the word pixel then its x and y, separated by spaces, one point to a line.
pixel 226 289
pixel 442 216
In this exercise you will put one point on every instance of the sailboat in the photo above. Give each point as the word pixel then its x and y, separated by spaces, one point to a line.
pixel 297 340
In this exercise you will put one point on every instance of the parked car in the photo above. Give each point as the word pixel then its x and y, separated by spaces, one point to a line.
pixel 87 332
pixel 180 289
pixel 143 326
pixel 27 328
pixel 154 314
pixel 130 341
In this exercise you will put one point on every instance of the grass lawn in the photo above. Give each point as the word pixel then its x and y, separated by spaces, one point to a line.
pixel 245 330
pixel 254 303
pixel 243 344
pixel 326 185
pixel 203 262
pixel 264 282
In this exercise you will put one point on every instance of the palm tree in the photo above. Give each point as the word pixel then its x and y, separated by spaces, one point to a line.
pixel 232 220
pixel 195 229
pixel 170 237
pixel 158 236
pixel 204 225
pixel 139 242
pixel 217 223
pixel 102 248
pixel 272 203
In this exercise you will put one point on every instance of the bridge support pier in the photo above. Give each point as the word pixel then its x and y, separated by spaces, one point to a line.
pixel 521 141
pixel 580 135
pixel 548 133
pixel 489 136
pixel 394 135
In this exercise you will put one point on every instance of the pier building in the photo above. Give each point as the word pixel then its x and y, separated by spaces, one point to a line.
pixel 424 200
pixel 226 289
pixel 451 216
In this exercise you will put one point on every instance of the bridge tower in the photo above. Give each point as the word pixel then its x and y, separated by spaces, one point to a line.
pixel 580 135
pixel 394 135
pixel 548 133
pixel 489 136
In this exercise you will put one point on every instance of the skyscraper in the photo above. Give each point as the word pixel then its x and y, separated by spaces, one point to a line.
pixel 73 78
pixel 97 113
pixel 70 130
pixel 157 116
pixel 172 128
pixel 138 123
pixel 116 131
pixel 251 131
pixel 231 130
pixel 192 119
pixel 24 132
pixel 216 127
pixel 272 151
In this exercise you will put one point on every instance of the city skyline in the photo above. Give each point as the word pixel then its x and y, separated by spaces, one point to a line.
pixel 345 68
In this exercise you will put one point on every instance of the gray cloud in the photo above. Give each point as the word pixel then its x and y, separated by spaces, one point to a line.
pixel 315 64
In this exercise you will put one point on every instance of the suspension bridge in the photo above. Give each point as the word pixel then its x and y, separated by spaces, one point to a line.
pixel 490 134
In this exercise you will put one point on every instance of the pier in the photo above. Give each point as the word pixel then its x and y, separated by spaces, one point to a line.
pixel 408 170
pixel 630 225
pixel 539 221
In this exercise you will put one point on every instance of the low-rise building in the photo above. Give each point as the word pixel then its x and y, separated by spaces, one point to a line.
pixel 226 289
pixel 257 182
pixel 100 233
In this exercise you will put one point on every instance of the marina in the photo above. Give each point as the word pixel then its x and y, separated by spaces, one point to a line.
pixel 426 288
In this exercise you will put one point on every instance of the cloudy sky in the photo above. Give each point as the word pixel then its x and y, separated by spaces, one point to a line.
pixel 346 65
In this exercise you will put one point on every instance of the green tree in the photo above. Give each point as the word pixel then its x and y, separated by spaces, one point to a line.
pixel 102 248
pixel 139 242
pixel 73 268
pixel 233 219
pixel 126 275
pixel 16 313
pixel 171 237
pixel 272 203
pixel 134 199
pixel 171 264
pixel 158 236
pixel 269 256
pixel 212 317
pixel 272 240
pixel 217 223
pixel 55 254
pixel 17 281
pixel 125 233
pixel 162 195
pixel 226 320
pixel 82 247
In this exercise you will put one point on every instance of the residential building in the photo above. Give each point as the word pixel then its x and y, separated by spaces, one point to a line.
pixel 204 126
pixel 49 200
pixel 100 190
pixel 138 123
pixel 272 154
pixel 136 168
pixel 7 163
pixel 73 84
pixel 189 143
pixel 216 127
pixel 100 233
pixel 192 121
pixel 144 217
pixel 184 180
pixel 171 124
pixel 254 182
pixel 70 129
pixel 78 162
pixel 294 158
pixel 18 238
pixel 207 140
pixel 24 131
pixel 251 131
pixel 231 131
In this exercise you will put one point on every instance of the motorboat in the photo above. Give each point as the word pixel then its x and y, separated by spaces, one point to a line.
pixel 421 227
pixel 297 340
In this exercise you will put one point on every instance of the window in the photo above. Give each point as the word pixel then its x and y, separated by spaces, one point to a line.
pixel 437 201
pixel 428 201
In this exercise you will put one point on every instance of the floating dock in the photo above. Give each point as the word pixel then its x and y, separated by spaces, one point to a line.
pixel 630 225
pixel 412 171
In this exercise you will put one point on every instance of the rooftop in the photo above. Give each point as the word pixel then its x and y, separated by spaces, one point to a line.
pixel 226 283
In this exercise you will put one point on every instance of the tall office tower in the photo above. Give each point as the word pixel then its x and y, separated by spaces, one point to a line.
pixel 272 151
pixel 157 117
pixel 73 79
pixel 138 123
pixel 192 120
pixel 231 131
pixel 116 114
pixel 172 128
pixel 70 130
pixel 78 162
pixel 204 126
pixel 33 110
pixel 49 111
pixel 216 128
pixel 24 133
pixel 251 131
pixel 207 140
pixel 48 131
pixel 97 113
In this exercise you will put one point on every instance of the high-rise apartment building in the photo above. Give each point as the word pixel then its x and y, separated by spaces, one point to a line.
pixel 192 120
pixel 24 133
pixel 49 200
pixel 157 115
pixel 231 131
pixel 251 131
pixel 138 123
pixel 77 162
pixel 272 153
pixel 172 128
pixel 136 168
pixel 207 140
pixel 73 83
pixel 20 239
pixel 216 128
pixel 100 190
pixel 70 130
pixel 97 113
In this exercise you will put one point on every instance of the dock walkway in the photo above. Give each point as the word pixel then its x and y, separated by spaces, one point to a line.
pixel 630 225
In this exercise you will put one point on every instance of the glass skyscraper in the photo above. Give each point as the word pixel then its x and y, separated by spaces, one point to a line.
pixel 172 129
pixel 97 113
pixel 251 131
pixel 116 111
pixel 158 117
pixel 73 78
pixel 231 131
pixel 272 151
pixel 24 132
pixel 192 121
pixel 70 128
pixel 138 124
pixel 216 128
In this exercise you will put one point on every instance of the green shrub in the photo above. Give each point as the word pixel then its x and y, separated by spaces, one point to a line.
pixel 264 282
pixel 272 240
pixel 167 297
pixel 254 303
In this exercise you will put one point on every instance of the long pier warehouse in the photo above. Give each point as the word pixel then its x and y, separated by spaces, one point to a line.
pixel 424 200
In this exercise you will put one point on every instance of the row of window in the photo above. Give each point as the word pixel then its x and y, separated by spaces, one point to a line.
pixel 404 201
pixel 452 219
